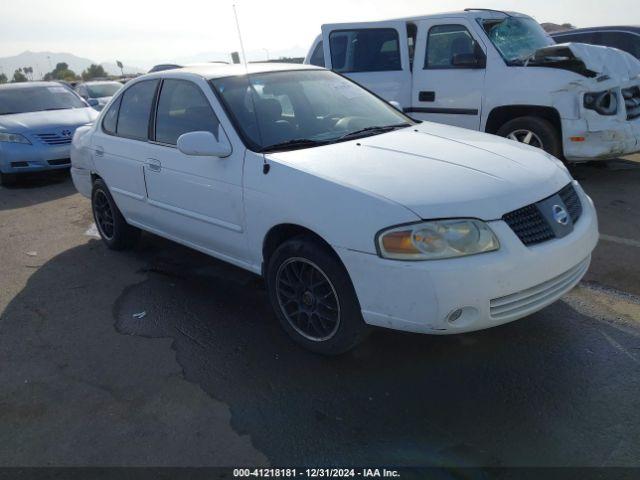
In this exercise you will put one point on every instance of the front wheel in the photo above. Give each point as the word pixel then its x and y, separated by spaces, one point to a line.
pixel 535 131
pixel 313 297
pixel 8 179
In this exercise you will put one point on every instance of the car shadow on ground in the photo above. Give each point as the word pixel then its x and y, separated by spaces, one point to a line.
pixel 33 188
pixel 551 389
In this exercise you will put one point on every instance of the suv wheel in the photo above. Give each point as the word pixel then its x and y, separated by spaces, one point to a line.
pixel 113 229
pixel 534 131
pixel 313 297
pixel 8 179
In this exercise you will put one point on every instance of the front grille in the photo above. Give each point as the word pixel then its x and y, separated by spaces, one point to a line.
pixel 571 200
pixel 531 226
pixel 62 161
pixel 524 302
pixel 54 138
pixel 632 102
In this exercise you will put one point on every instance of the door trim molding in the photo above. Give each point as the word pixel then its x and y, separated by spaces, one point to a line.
pixel 450 111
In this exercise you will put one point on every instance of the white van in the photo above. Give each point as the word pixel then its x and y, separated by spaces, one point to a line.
pixel 497 72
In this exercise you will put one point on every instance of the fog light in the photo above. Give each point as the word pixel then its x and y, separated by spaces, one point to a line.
pixel 455 315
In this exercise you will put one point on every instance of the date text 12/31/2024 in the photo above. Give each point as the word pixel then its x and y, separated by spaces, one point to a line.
pixel 315 473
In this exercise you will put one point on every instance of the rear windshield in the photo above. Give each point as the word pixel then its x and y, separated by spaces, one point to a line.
pixel 99 90
pixel 38 99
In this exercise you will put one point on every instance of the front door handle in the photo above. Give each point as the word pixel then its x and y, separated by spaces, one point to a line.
pixel 99 152
pixel 154 165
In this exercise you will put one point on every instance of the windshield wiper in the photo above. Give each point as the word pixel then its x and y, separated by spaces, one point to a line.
pixel 56 108
pixel 373 130
pixel 293 144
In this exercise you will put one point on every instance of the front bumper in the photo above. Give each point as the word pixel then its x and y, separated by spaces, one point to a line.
pixel 19 157
pixel 600 140
pixel 490 289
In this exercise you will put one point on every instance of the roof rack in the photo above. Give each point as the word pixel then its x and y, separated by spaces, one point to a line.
pixel 487 10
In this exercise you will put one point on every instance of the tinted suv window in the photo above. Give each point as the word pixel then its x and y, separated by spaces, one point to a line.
pixel 135 109
pixel 183 108
pixel 445 42
pixel 110 120
pixel 624 41
pixel 317 57
pixel 576 37
pixel 367 50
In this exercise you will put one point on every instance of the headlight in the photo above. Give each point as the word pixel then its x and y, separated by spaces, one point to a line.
pixel 437 239
pixel 13 138
pixel 605 103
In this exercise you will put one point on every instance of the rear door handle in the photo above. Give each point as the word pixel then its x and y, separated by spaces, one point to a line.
pixel 427 96
pixel 154 165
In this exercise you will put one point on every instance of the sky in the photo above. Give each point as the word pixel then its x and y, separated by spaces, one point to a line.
pixel 143 32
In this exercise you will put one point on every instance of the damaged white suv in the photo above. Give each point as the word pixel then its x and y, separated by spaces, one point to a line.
pixel 497 72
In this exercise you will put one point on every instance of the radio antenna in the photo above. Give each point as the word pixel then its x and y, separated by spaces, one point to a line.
pixel 265 166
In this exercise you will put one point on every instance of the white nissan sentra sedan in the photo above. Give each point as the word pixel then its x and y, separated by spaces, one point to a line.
pixel 355 214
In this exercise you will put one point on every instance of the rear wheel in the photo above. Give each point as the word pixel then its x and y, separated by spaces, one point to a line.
pixel 115 232
pixel 313 297
pixel 8 179
pixel 535 131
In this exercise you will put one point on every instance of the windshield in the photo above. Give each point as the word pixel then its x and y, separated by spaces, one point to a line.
pixel 516 38
pixel 303 109
pixel 99 90
pixel 37 99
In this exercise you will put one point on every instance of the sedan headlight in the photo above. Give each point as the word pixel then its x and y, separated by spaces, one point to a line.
pixel 13 138
pixel 437 239
pixel 605 103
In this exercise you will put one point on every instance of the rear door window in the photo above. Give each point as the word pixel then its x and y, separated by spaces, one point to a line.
pixel 183 108
pixel 317 57
pixel 135 110
pixel 110 120
pixel 365 50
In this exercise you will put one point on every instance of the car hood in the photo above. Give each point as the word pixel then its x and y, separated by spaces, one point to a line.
pixel 589 60
pixel 33 121
pixel 437 171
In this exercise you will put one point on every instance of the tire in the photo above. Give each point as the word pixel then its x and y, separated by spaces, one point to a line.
pixel 114 231
pixel 8 179
pixel 329 321
pixel 541 130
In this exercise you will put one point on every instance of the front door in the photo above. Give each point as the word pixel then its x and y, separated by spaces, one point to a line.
pixel 447 86
pixel 197 200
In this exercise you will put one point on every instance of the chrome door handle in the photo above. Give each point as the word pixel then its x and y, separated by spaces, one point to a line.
pixel 154 165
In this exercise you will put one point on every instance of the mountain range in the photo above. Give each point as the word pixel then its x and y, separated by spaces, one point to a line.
pixel 43 62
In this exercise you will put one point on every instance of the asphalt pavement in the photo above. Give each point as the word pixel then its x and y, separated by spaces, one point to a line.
pixel 163 356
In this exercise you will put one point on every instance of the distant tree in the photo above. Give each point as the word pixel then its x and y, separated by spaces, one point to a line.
pixel 19 77
pixel 3 78
pixel 61 72
pixel 28 71
pixel 121 67
pixel 94 71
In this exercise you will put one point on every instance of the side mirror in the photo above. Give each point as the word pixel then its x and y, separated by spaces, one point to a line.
pixel 92 102
pixel 205 144
pixel 395 105
pixel 468 60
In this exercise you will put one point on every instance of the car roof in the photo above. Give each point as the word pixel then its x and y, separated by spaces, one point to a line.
pixel 220 70
pixel 8 86
pixel 471 12
pixel 623 28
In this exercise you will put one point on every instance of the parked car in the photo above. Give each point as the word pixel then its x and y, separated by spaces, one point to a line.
pixel 98 93
pixel 497 72
pixel 623 37
pixel 37 122
pixel 354 213
pixel 164 66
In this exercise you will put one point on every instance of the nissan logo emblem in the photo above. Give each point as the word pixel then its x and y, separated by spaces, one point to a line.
pixel 560 215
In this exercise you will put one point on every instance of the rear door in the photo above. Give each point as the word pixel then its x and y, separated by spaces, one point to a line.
pixel 120 148
pixel 445 91
pixel 376 55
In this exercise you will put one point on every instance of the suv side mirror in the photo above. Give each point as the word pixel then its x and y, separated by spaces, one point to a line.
pixel 468 60
pixel 205 144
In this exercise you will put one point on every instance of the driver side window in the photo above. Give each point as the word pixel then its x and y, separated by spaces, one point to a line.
pixel 445 42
